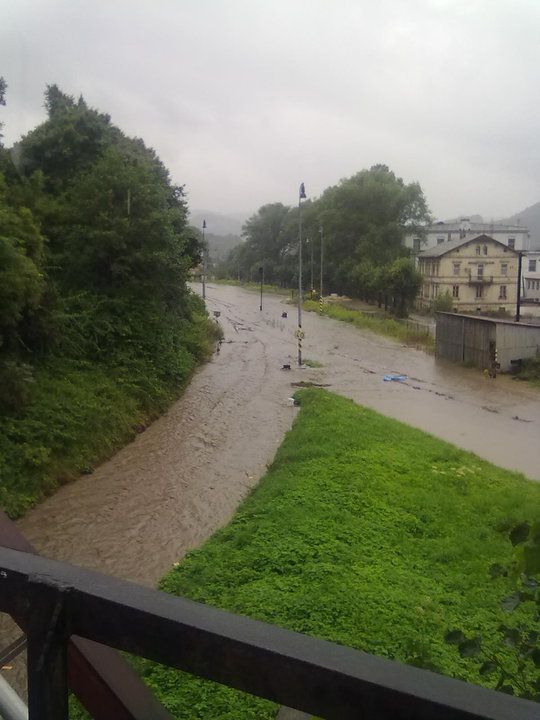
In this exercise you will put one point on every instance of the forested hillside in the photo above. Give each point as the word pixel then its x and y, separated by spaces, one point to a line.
pixel 98 330
pixel 363 221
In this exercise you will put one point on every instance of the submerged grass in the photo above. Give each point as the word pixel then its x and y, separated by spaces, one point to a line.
pixel 256 286
pixel 365 532
pixel 382 326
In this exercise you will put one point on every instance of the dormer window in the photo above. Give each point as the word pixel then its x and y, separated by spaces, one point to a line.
pixel 485 249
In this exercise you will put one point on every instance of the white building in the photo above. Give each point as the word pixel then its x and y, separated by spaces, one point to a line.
pixel 515 237
pixel 530 277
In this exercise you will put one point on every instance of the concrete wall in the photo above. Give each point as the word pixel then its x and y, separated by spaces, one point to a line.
pixel 469 339
pixel 516 342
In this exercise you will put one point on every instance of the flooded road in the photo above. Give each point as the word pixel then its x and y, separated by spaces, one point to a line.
pixel 184 476
pixel 168 490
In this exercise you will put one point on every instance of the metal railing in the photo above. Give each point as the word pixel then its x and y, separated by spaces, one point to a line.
pixel 56 601
pixel 104 682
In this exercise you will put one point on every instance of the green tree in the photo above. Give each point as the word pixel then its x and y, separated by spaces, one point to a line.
pixel 404 282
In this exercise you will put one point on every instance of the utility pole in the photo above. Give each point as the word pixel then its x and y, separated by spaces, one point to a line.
pixel 518 298
pixel 300 332
pixel 204 261
pixel 311 273
pixel 321 280
pixel 261 274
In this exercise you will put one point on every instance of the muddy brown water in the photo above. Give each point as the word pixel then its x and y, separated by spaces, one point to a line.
pixel 177 482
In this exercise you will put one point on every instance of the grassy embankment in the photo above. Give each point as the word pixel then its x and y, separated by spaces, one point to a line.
pixel 381 326
pixel 365 532
pixel 80 412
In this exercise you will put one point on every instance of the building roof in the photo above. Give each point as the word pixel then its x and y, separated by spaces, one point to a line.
pixel 449 245
pixel 476 227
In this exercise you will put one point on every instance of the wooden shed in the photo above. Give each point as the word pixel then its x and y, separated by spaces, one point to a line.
pixel 480 340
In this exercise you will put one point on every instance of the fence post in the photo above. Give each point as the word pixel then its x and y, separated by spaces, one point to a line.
pixel 47 654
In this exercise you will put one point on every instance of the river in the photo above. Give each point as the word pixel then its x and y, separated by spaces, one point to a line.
pixel 182 478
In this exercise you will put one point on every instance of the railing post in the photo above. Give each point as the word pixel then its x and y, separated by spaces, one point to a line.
pixel 47 654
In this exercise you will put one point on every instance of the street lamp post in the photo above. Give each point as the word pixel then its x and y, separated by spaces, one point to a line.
pixel 204 261
pixel 311 273
pixel 299 332
pixel 261 275
pixel 321 280
pixel 518 296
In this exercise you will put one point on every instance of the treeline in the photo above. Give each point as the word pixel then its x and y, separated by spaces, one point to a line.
pixel 97 327
pixel 363 220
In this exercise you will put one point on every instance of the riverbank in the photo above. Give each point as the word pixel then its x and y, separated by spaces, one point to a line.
pixel 80 412
pixel 369 533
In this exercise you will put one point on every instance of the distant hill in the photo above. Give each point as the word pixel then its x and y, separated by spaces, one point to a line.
pixel 530 217
pixel 217 223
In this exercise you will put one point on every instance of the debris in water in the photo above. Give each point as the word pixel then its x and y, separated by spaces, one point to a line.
pixel 520 419
pixel 304 384
pixel 394 378
pixel 286 367
pixel 284 314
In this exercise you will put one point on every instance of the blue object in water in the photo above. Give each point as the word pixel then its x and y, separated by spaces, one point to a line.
pixel 394 378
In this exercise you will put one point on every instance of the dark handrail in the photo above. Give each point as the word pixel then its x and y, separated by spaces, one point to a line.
pixel 302 672
pixel 104 682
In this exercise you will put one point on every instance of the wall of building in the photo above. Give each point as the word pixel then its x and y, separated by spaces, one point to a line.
pixel 516 342
pixel 530 272
pixel 474 340
pixel 457 273
pixel 441 233
pixel 464 339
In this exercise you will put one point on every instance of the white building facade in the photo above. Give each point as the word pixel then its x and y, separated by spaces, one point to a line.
pixel 530 277
pixel 516 237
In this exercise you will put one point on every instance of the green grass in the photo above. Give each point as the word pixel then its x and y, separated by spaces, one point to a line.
pixel 80 412
pixel 381 326
pixel 365 532
pixel 313 363
pixel 530 371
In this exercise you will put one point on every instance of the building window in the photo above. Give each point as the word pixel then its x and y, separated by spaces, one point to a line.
pixel 504 268
pixel 502 292
pixel 456 268
pixel 440 241
pixel 512 243
pixel 480 271
pixel 478 249
pixel 449 236
pixel 485 249
pixel 532 265
pixel 528 284
pixel 455 291
pixel 479 291
pixel 416 244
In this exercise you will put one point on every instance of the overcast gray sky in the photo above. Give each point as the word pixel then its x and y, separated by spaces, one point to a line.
pixel 244 99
